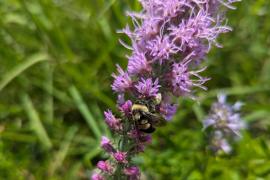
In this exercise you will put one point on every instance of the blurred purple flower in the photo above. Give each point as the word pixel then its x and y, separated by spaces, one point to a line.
pixel 168 110
pixel 97 176
pixel 226 124
pixel 139 148
pixel 104 166
pixel 145 138
pixel 220 143
pixel 224 117
pixel 133 172
pixel 134 134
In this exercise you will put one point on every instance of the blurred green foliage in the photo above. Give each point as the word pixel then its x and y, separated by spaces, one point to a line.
pixel 56 60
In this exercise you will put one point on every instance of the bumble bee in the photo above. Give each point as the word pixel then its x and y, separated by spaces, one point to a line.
pixel 145 120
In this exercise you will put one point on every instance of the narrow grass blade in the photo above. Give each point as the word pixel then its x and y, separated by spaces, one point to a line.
pixel 198 112
pixel 100 117
pixel 62 153
pixel 74 171
pixel 35 122
pixel 261 114
pixel 20 137
pixel 17 70
pixel 85 112
pixel 92 153
pixel 105 9
pixel 102 97
pixel 56 34
pixel 56 93
pixel 48 102
pixel 240 90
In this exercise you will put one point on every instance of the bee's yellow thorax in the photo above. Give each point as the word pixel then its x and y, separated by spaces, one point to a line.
pixel 139 107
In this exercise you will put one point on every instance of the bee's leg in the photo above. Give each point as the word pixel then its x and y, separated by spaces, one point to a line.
pixel 143 121
pixel 144 126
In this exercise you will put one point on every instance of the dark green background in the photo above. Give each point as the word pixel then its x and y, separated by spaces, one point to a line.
pixel 56 60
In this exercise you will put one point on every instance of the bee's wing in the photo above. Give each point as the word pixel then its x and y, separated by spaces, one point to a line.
pixel 155 119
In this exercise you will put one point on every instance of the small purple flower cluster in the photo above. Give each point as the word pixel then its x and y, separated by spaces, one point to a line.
pixel 109 168
pixel 169 40
pixel 225 122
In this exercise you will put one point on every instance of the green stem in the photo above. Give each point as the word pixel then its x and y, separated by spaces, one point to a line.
pixel 123 147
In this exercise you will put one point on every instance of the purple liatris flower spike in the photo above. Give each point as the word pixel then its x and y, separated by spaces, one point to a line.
pixel 169 40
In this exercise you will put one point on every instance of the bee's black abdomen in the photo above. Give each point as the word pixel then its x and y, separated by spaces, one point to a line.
pixel 151 129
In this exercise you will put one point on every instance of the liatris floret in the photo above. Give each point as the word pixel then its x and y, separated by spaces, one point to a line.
pixel 225 123
pixel 169 40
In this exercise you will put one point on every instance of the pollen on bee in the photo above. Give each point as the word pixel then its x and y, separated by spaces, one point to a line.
pixel 137 116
